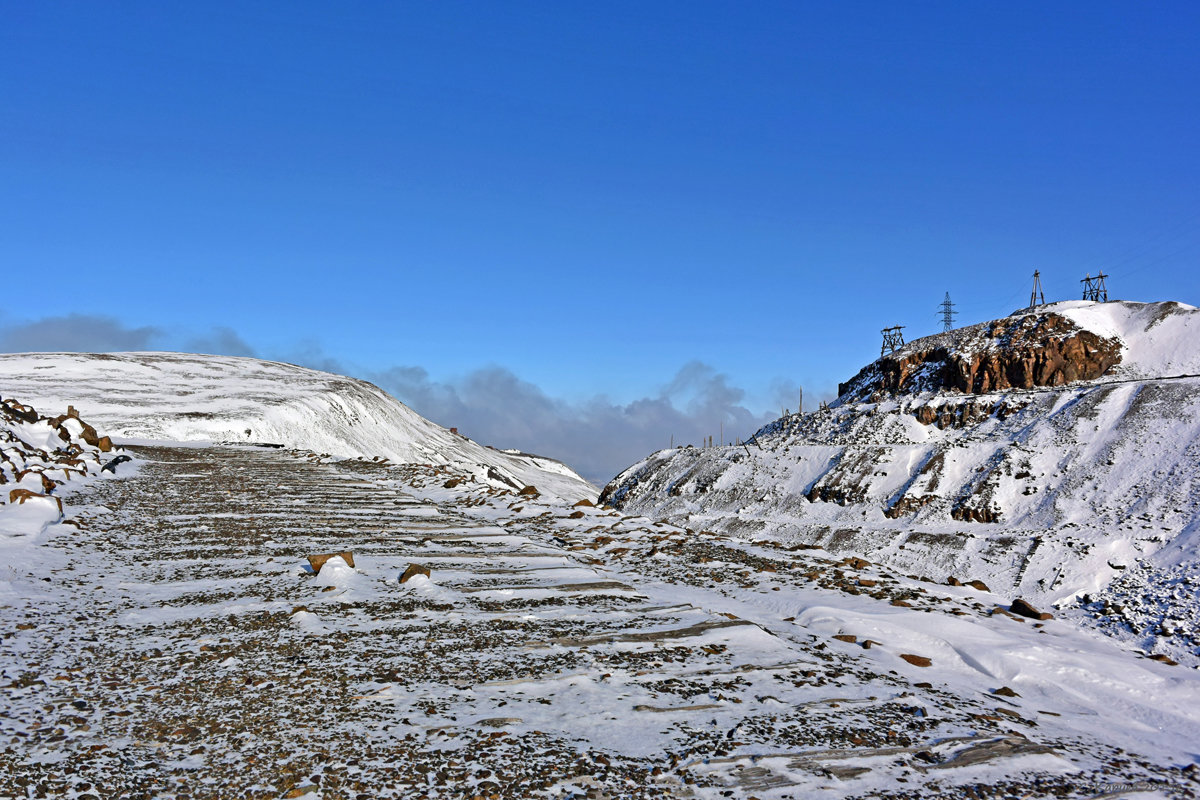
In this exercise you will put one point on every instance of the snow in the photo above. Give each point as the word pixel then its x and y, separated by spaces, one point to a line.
pixel 755 644
pixel 185 397
pixel 1078 482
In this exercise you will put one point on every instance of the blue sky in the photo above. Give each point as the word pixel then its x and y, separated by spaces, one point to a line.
pixel 588 196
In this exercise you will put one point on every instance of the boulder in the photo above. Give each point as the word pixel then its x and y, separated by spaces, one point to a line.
pixel 1022 607
pixel 917 661
pixel 19 496
pixel 529 491
pixel 318 561
pixel 414 570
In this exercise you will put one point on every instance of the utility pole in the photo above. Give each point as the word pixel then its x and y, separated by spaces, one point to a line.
pixel 1037 291
pixel 892 338
pixel 1094 288
pixel 948 314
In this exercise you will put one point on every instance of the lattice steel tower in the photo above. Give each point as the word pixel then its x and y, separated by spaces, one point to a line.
pixel 1037 291
pixel 948 314
pixel 892 338
pixel 1094 288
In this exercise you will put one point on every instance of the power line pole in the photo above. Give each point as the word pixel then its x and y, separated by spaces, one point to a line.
pixel 892 338
pixel 1037 291
pixel 1094 288
pixel 948 314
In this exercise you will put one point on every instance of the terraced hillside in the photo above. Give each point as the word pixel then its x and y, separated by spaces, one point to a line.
pixel 1048 452
pixel 178 643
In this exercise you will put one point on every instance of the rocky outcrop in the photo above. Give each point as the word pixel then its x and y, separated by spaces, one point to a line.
pixel 1018 352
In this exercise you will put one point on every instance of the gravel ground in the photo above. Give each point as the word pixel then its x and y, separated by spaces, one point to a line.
pixel 179 645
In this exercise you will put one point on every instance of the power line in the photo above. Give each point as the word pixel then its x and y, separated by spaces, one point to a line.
pixel 892 338
pixel 1094 288
pixel 948 314
pixel 1037 293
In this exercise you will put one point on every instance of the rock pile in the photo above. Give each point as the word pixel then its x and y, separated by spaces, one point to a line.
pixel 39 454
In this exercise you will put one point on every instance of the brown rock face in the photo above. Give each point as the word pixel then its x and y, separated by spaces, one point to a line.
pixel 1021 352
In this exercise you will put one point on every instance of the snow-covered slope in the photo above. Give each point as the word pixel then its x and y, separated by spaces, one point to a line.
pixel 975 454
pixel 184 397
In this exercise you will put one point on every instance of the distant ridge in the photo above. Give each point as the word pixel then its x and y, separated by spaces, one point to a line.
pixel 187 397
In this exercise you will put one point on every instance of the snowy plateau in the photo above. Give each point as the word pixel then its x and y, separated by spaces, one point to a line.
pixel 973 575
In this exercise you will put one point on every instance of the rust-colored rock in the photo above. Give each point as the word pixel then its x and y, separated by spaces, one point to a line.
pixel 318 561
pixel 19 496
pixel 450 484
pixel 529 491
pixel 575 515
pixel 585 503
pixel 917 661
pixel 413 571
pixel 105 444
pixel 1022 607
pixel 1017 352
pixel 978 585
pixel 846 637
pixel 855 563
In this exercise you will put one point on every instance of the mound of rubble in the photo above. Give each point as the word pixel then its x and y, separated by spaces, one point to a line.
pixel 39 454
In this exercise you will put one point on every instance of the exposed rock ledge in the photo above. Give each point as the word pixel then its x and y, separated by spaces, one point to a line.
pixel 1021 352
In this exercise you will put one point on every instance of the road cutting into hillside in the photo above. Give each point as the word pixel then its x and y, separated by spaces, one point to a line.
pixel 179 644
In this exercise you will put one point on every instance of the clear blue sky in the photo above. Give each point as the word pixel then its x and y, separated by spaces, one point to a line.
pixel 591 195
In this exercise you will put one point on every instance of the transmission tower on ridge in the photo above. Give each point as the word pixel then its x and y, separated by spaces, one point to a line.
pixel 892 338
pixel 1037 291
pixel 948 314
pixel 1094 288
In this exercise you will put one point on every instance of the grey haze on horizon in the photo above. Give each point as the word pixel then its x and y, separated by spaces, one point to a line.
pixel 597 436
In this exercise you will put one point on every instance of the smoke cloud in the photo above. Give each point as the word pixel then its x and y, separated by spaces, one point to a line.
pixel 597 437
pixel 76 333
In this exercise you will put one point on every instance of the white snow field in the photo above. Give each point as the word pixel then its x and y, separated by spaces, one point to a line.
pixel 186 397
pixel 1049 492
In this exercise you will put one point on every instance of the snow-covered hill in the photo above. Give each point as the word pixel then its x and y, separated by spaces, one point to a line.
pixel 1045 453
pixel 183 397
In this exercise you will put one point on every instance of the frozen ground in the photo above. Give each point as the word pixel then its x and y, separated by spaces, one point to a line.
pixel 177 644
